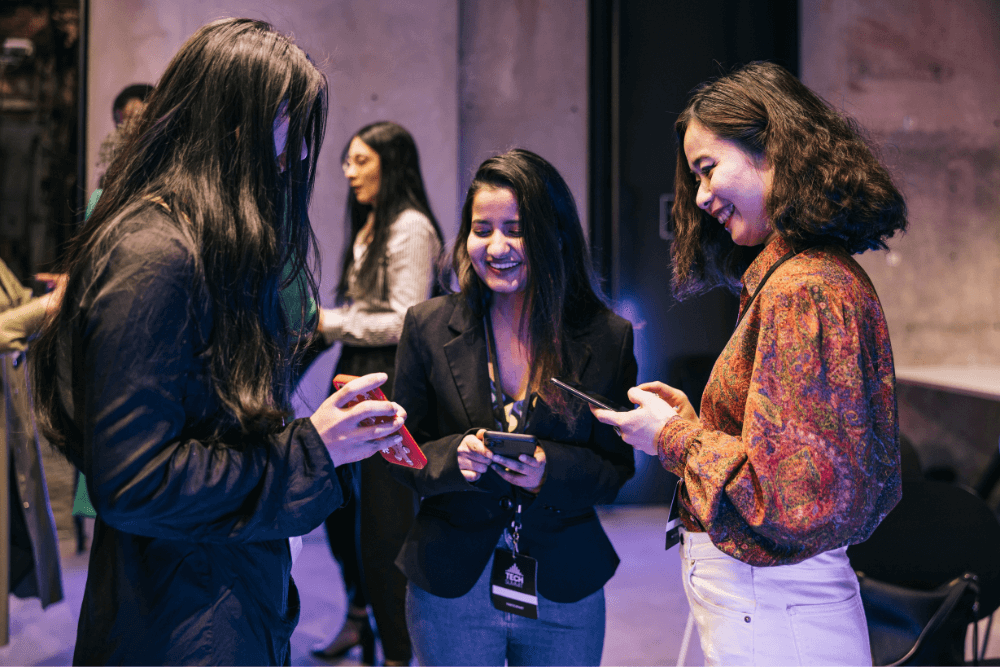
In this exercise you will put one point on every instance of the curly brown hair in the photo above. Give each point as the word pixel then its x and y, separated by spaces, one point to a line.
pixel 829 186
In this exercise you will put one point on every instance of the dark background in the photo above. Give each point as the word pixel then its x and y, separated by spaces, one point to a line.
pixel 646 57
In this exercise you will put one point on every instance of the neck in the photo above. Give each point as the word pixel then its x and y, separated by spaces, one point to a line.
pixel 508 308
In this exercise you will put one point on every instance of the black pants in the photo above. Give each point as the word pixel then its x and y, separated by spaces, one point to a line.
pixel 367 533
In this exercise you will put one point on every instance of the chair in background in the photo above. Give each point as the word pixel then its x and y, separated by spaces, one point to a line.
pixel 938 549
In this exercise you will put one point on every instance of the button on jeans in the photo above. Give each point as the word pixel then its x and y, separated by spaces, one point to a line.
pixel 809 613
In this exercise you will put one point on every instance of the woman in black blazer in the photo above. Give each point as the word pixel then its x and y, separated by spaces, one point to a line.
pixel 498 540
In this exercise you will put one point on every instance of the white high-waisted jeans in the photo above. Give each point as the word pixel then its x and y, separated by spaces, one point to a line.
pixel 809 613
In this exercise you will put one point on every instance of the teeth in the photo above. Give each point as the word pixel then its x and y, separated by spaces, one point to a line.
pixel 503 266
pixel 723 216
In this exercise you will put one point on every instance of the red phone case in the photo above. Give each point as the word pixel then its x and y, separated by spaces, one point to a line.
pixel 417 456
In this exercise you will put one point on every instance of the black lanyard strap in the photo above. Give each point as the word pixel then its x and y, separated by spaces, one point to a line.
pixel 774 267
pixel 499 416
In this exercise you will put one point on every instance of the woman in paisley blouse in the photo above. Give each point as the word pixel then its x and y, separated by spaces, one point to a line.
pixel 795 454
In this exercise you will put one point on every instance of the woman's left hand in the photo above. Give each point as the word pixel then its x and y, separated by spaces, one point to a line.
pixel 527 472
pixel 640 427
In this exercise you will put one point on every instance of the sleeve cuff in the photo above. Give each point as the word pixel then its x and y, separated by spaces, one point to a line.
pixel 332 324
pixel 672 443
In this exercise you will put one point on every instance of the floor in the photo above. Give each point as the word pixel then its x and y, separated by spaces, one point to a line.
pixel 646 607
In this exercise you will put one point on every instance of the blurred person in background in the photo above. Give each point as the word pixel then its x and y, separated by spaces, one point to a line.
pixel 389 265
pixel 125 111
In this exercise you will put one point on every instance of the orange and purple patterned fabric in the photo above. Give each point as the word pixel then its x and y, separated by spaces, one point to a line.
pixel 798 448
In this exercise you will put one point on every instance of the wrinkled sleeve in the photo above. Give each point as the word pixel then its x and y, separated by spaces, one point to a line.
pixel 18 325
pixel 146 474
pixel 414 390
pixel 410 273
pixel 799 475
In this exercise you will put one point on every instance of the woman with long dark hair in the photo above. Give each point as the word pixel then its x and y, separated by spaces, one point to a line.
pixel 795 455
pixel 166 375
pixel 480 361
pixel 389 265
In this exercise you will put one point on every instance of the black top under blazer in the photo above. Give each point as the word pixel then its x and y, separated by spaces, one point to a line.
pixel 442 381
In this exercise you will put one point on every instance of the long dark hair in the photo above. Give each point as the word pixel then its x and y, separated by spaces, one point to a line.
pixel 829 187
pixel 561 293
pixel 400 187
pixel 204 148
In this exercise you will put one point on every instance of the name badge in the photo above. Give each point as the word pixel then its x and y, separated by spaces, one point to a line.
pixel 674 524
pixel 512 583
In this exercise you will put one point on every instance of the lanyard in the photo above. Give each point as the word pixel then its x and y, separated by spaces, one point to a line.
pixel 494 362
pixel 774 267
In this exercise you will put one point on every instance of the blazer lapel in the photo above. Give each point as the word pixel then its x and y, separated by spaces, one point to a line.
pixel 579 355
pixel 466 355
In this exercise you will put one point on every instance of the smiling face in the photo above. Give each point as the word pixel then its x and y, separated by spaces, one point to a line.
pixel 363 170
pixel 732 184
pixel 496 241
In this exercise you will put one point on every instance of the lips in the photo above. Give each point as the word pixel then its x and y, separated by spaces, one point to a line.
pixel 503 265
pixel 723 215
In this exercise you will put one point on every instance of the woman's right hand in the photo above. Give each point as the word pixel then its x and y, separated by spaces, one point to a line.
pixel 339 427
pixel 473 457
pixel 676 398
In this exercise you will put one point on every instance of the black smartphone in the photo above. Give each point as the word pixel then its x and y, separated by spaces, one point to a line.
pixel 510 445
pixel 591 397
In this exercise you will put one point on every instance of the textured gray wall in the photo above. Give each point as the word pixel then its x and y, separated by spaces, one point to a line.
pixel 922 76
pixel 524 85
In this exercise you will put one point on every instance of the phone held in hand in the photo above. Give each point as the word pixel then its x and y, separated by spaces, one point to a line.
pixel 592 397
pixel 393 454
pixel 510 445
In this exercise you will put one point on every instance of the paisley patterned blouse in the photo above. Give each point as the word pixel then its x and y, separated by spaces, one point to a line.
pixel 798 448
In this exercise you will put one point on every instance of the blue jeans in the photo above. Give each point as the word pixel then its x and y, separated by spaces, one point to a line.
pixel 469 630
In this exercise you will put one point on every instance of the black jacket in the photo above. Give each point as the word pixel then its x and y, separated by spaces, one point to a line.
pixel 190 561
pixel 442 381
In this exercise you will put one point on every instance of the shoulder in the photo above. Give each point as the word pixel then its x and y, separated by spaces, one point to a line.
pixel 143 252
pixel 821 276
pixel 148 236
pixel 412 222
pixel 438 311
pixel 603 327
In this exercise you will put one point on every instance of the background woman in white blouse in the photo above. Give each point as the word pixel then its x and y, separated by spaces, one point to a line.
pixel 389 266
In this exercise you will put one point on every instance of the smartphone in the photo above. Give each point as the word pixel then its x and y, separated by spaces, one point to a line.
pixel 392 454
pixel 589 396
pixel 510 445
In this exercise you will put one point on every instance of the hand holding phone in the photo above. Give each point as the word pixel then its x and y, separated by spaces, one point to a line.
pixel 407 453
pixel 517 458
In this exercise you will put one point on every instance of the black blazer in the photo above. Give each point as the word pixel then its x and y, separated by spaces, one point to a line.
pixel 443 383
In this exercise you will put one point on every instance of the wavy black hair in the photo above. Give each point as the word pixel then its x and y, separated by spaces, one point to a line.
pixel 400 187
pixel 829 187
pixel 204 149
pixel 561 293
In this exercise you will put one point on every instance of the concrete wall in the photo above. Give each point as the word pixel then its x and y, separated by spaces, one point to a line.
pixel 922 76
pixel 467 78
pixel 524 85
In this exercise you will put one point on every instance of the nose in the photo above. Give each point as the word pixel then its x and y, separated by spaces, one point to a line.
pixel 703 197
pixel 497 245
pixel 350 169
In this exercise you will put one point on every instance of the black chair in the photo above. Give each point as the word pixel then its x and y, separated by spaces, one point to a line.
pixel 929 569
